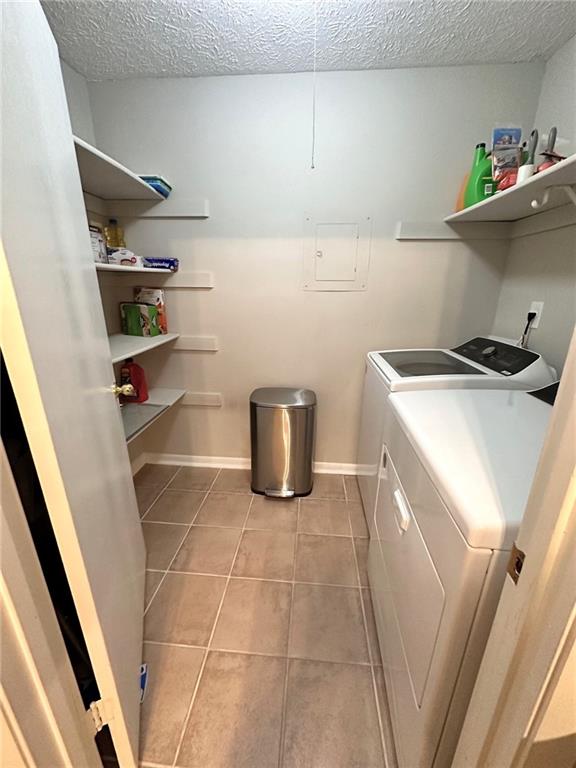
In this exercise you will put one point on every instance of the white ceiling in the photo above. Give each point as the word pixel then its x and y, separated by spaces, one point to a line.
pixel 115 39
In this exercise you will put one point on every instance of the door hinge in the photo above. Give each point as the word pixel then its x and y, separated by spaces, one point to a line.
pixel 515 563
pixel 97 714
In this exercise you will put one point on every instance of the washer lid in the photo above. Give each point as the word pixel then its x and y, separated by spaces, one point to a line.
pixel 480 448
pixel 428 362
pixel 283 397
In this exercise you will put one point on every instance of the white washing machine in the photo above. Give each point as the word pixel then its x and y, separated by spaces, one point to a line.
pixel 457 470
pixel 481 363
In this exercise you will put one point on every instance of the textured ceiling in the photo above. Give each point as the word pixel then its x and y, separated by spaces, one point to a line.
pixel 115 39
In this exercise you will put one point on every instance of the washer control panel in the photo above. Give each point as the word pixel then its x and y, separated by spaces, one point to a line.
pixel 505 359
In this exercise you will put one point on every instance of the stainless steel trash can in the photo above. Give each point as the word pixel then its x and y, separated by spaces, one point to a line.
pixel 282 431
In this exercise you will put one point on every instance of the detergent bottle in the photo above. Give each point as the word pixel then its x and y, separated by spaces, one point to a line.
pixel 480 183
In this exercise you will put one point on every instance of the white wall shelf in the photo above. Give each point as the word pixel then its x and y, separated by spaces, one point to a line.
pixel 122 268
pixel 123 346
pixel 104 177
pixel 437 230
pixel 174 280
pixel 515 203
pixel 137 417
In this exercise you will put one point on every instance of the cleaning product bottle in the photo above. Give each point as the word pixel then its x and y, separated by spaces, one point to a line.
pixel 132 373
pixel 114 235
pixel 480 184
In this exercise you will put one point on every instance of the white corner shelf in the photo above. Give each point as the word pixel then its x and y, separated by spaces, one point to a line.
pixel 136 417
pixel 515 203
pixel 123 346
pixel 122 268
pixel 104 177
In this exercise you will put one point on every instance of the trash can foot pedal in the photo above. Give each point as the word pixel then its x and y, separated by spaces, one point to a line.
pixel 284 494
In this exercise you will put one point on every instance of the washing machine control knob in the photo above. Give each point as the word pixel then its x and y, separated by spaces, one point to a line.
pixel 489 352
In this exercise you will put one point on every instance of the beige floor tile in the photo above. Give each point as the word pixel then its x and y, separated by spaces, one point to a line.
pixel 273 514
pixel 145 495
pixel 388 735
pixel 324 516
pixel 184 609
pixel 176 507
pixel 325 560
pixel 331 717
pixel 358 520
pixel 155 474
pixel 327 624
pixel 233 481
pixel 207 550
pixel 236 717
pixel 224 509
pixel 254 617
pixel 375 657
pixel 265 555
pixel 172 674
pixel 153 578
pixel 162 541
pixel 194 479
pixel 328 487
pixel 361 546
pixel 352 489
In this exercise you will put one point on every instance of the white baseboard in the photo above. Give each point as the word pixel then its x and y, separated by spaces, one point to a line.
pixel 334 468
pixel 232 462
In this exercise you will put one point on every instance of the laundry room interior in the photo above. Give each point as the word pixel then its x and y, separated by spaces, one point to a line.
pixel 289 383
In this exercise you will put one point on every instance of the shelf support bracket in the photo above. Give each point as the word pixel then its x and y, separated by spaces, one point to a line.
pixel 570 191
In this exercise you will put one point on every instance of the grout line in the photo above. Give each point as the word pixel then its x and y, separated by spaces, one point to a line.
pixel 259 578
pixel 287 668
pixel 250 528
pixel 257 653
pixel 163 488
pixel 179 547
pixel 205 659
pixel 369 646
pixel 345 491
pixel 176 645
pixel 275 581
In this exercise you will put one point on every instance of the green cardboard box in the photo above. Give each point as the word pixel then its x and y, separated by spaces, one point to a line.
pixel 139 319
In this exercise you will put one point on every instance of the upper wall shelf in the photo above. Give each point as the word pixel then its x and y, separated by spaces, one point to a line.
pixel 107 179
pixel 515 203
pixel 122 268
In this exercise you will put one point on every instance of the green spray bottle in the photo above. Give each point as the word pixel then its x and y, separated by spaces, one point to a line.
pixel 480 183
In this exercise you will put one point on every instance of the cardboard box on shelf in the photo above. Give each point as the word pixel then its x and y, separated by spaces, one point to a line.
pixel 156 298
pixel 139 319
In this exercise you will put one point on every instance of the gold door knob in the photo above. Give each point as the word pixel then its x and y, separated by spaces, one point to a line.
pixel 125 389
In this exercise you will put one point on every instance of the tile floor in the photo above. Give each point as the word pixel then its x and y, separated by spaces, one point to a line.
pixel 259 632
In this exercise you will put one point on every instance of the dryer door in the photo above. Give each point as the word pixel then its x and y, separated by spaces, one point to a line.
pixel 415 587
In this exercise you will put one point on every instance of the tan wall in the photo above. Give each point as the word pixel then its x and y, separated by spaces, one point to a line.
pixel 390 144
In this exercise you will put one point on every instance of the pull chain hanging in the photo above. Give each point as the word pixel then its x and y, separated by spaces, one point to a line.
pixel 312 166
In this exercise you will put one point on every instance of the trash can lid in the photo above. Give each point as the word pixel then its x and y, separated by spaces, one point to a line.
pixel 283 397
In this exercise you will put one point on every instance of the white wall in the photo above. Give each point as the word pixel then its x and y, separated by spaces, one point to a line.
pixel 78 103
pixel 541 267
pixel 557 104
pixel 390 144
